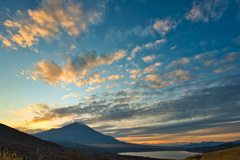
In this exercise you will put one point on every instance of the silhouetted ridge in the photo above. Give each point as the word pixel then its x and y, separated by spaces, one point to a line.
pixel 25 144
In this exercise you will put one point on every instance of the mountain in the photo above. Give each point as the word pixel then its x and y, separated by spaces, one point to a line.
pixel 77 132
pixel 79 135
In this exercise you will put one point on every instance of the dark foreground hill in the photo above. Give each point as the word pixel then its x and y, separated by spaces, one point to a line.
pixel 227 154
pixel 33 148
pixel 24 144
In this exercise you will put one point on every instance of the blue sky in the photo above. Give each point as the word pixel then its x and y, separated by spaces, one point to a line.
pixel 142 71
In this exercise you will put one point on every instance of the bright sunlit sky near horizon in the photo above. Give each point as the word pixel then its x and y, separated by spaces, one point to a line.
pixel 142 71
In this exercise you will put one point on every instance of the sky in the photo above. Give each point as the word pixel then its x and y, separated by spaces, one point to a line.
pixel 147 72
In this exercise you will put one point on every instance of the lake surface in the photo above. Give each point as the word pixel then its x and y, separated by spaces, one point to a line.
pixel 162 154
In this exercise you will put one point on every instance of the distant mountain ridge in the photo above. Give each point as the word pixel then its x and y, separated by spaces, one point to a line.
pixel 204 144
pixel 77 132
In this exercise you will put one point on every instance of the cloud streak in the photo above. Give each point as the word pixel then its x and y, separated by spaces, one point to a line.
pixel 147 46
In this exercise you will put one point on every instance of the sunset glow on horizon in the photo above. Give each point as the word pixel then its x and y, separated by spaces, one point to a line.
pixel 147 72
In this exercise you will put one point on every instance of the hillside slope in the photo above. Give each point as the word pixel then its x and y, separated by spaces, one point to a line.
pixel 24 144
pixel 227 154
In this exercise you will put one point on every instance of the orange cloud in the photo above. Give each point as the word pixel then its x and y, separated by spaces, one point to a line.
pixel 51 19
pixel 115 77
pixel 76 69
pixel 153 78
pixel 151 68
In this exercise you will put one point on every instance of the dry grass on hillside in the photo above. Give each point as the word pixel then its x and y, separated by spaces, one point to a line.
pixel 227 154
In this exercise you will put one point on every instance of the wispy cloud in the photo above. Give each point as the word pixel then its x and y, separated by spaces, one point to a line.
pixel 92 88
pixel 207 10
pixel 115 77
pixel 162 26
pixel 230 57
pixel 6 42
pixel 152 68
pixel 152 78
pixel 147 46
pixel 179 62
pixel 135 73
pixel 71 95
pixel 111 86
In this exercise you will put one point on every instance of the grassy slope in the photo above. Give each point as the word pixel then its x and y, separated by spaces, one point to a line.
pixel 227 154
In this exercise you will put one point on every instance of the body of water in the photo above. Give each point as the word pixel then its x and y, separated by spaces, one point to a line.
pixel 162 154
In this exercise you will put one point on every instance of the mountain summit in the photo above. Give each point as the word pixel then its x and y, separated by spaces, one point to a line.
pixel 77 132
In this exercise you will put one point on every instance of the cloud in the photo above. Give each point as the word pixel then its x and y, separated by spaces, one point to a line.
pixel 129 58
pixel 161 85
pixel 181 73
pixel 151 68
pixel 148 59
pixel 6 42
pixel 114 34
pixel 92 88
pixel 124 100
pixel 115 77
pixel 169 75
pixel 76 69
pixel 48 71
pixel 225 68
pixel 207 10
pixel 135 73
pixel 52 18
pixel 179 62
pixel 112 86
pixel 178 75
pixel 237 39
pixel 230 57
pixel 71 95
pixel 209 63
pixel 37 108
pixel 182 78
pixel 135 50
pixel 147 46
pixel 174 47
pixel 164 25
pixel 206 56
pixel 152 78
